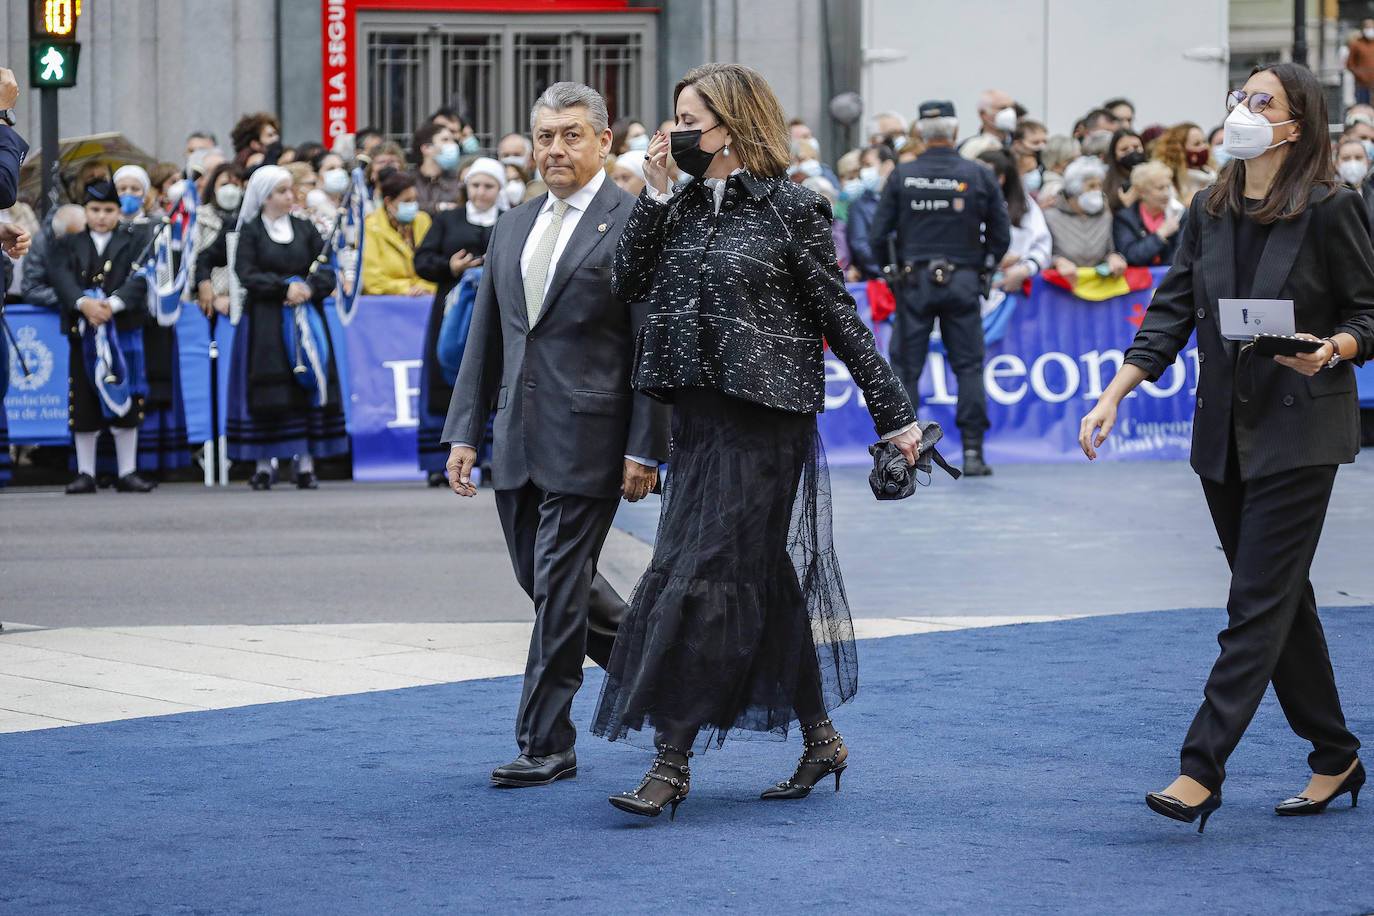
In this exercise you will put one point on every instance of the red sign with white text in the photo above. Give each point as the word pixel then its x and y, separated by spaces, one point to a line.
pixel 339 102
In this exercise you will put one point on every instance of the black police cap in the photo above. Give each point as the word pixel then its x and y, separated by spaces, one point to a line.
pixel 936 110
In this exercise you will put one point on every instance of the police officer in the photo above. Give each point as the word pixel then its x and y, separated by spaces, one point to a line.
pixel 951 231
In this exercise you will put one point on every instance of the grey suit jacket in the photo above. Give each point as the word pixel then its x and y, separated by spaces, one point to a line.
pixel 565 412
pixel 1323 261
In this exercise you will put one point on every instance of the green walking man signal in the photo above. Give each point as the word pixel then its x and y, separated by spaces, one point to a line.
pixel 53 52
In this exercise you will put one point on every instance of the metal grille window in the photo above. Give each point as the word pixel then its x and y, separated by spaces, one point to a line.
pixel 396 63
pixel 492 68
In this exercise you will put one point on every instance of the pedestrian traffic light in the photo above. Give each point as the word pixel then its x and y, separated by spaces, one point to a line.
pixel 53 51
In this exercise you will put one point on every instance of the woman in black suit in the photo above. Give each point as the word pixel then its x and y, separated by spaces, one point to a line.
pixel 455 243
pixel 1268 434
pixel 740 621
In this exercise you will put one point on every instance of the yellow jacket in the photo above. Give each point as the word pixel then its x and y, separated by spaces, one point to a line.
pixel 388 262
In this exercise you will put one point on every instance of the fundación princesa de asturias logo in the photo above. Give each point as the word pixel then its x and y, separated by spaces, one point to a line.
pixel 36 355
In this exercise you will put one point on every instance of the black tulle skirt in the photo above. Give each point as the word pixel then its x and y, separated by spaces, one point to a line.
pixel 740 624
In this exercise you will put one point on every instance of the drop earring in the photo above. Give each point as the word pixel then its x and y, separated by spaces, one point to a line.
pixel 726 151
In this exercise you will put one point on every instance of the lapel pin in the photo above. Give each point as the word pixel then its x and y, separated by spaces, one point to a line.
pixel 601 228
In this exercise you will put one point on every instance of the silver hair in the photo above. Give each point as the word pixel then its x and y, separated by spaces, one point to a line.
pixel 934 130
pixel 570 95
pixel 525 141
pixel 1080 171
pixel 65 218
pixel 888 114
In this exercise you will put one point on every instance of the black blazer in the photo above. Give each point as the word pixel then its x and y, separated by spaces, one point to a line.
pixel 75 267
pixel 1323 261
pixel 744 303
pixel 1138 245
pixel 566 416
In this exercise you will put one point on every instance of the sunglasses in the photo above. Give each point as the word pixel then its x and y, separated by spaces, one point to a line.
pixel 1256 102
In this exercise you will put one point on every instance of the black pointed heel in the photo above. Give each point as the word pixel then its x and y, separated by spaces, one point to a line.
pixel 796 786
pixel 634 803
pixel 1169 806
pixel 1299 806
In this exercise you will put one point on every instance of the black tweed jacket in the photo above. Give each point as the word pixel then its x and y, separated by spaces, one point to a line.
pixel 744 302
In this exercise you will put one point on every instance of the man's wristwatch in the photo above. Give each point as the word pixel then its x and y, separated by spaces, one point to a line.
pixel 1335 354
pixel 7 115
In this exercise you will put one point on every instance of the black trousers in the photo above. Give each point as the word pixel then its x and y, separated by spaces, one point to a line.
pixel 83 404
pixel 554 541
pixel 1269 530
pixel 961 329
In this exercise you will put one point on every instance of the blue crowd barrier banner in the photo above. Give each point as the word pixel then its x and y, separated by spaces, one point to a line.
pixel 36 407
pixel 1056 354
pixel 383 343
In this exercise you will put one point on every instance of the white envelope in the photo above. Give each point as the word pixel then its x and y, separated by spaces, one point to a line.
pixel 1242 319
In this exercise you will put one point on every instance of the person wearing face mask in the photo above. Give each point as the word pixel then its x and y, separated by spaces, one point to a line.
pixel 1080 224
pixel 806 163
pixel 952 231
pixel 1360 60
pixel 1028 145
pixel 996 116
pixel 1269 432
pixel 272 414
pixel 1147 231
pixel 1352 167
pixel 851 186
pixel 393 232
pixel 1125 152
pixel 133 186
pixel 437 186
pixel 1219 156
pixel 456 243
pixel 865 260
pixel 739 270
pixel 215 216
pixel 1183 148
pixel 1029 251
pixel 628 134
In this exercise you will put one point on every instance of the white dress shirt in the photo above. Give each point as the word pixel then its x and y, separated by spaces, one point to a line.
pixel 577 202
pixel 101 241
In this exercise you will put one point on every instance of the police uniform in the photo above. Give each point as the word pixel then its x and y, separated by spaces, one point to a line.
pixel 952 229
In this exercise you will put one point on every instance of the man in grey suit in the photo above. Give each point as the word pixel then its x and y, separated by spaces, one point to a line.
pixel 552 349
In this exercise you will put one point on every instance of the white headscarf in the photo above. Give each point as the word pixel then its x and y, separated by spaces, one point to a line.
pixel 134 171
pixel 260 185
pixel 494 170
pixel 632 161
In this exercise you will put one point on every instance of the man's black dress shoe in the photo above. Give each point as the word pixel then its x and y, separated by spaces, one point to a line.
pixel 260 481
pixel 132 483
pixel 84 483
pixel 536 771
pixel 305 480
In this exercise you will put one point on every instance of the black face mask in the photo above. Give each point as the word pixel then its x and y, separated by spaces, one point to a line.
pixel 687 151
pixel 272 153
pixel 1132 159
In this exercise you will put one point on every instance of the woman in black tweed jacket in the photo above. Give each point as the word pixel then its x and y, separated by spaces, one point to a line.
pixel 740 622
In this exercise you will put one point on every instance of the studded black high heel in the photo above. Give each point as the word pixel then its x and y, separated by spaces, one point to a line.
pixel 635 803
pixel 1299 806
pixel 1169 806
pixel 797 786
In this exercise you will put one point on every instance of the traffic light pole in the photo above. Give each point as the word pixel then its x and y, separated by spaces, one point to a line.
pixel 47 114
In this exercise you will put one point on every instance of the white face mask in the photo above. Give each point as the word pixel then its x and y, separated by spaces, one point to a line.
pixel 228 197
pixel 335 181
pixel 1352 172
pixel 1247 135
pixel 1005 120
pixel 1369 33
pixel 515 191
pixel 811 168
pixel 1090 202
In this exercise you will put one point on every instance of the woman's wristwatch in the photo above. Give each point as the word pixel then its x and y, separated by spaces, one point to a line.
pixel 1335 353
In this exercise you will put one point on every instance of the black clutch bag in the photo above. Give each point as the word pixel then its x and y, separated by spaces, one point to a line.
pixel 1284 345
pixel 892 477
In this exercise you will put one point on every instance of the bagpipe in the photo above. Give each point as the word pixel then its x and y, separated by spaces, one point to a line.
pixel 114 362
pixel 307 342
pixel 176 234
pixel 457 321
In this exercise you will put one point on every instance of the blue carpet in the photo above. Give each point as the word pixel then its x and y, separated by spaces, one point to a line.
pixel 999 769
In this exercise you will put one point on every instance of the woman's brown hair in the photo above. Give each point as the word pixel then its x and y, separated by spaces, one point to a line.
pixel 1171 150
pixel 746 105
pixel 1306 165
